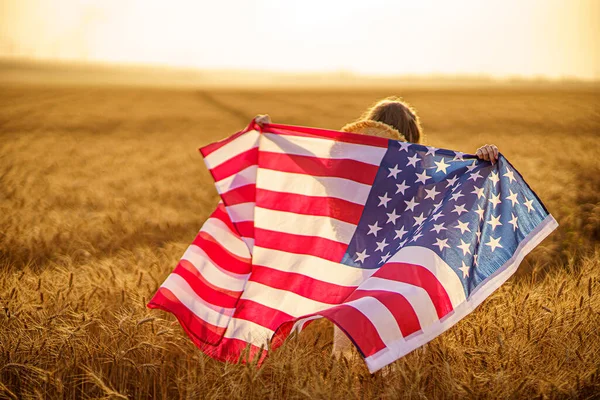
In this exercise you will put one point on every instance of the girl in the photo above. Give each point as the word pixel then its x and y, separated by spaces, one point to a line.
pixel 389 118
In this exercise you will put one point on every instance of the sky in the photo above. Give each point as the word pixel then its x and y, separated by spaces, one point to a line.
pixel 499 38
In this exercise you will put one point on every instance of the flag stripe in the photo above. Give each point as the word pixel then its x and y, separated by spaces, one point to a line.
pixel 403 313
pixel 343 137
pixel 227 261
pixel 311 225
pixel 418 276
pixel 241 212
pixel 310 205
pixel 302 285
pixel 197 328
pixel 286 182
pixel 225 237
pixel 242 194
pixel 246 229
pixel 310 266
pixel 261 314
pixel 212 272
pixel 206 291
pixel 416 296
pixel 357 327
pixel 235 164
pixel 245 177
pixel 299 244
pixel 321 148
pixel 217 155
pixel 346 169
pixel 381 318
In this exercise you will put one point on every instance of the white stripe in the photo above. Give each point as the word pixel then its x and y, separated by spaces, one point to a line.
pixel 237 146
pixel 322 148
pixel 307 225
pixel 225 237
pixel 311 266
pixel 245 177
pixel 212 272
pixel 417 297
pixel 241 212
pixel 300 324
pixel 442 271
pixel 250 243
pixel 289 302
pixel 248 331
pixel 210 313
pixel 380 317
pixel 313 185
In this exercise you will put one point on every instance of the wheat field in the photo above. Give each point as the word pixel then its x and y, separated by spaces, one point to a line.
pixel 102 189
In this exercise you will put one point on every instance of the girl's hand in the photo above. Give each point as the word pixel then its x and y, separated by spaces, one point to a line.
pixel 262 119
pixel 488 152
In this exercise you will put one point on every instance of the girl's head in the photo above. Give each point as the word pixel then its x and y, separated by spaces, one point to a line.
pixel 399 115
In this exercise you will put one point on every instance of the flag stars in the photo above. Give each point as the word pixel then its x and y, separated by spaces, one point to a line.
pixel 404 146
pixel 494 221
pixel 528 205
pixel 472 166
pixel 410 205
pixel 463 226
pixel 457 195
pixel 495 199
pixel 381 245
pixel 413 160
pixel 362 256
pixel 383 200
pixel 494 177
pixel 509 174
pixel 400 233
pixel 458 156
pixel 394 172
pixel 385 258
pixel 513 198
pixel 431 193
pixel 392 217
pixel 514 222
pixel 465 270
pixel 474 176
pixel 493 243
pixel 431 151
pixel 435 216
pixel 373 229
pixel 441 243
pixel 441 166
pixel 422 177
pixel 420 219
pixel 465 247
pixel 459 209
pixel 438 227
pixel 478 192
pixel 480 212
pixel 416 236
pixel 451 181
pixel 401 187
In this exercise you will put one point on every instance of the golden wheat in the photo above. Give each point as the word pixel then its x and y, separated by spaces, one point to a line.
pixel 102 189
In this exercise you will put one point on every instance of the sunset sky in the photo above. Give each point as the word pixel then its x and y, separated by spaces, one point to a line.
pixel 531 38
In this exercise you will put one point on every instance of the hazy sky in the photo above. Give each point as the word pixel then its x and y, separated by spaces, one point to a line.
pixel 549 38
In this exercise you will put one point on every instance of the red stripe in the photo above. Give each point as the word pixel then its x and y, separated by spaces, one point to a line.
pixel 198 329
pixel 222 257
pixel 245 228
pixel 418 276
pixel 208 149
pixel 221 214
pixel 301 284
pixel 325 133
pixel 340 168
pixel 207 292
pixel 358 328
pixel 401 309
pixel 242 194
pixel 300 244
pixel 261 314
pixel 235 164
pixel 332 207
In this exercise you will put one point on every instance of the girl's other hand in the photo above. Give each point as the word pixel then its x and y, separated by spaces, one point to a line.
pixel 262 119
pixel 488 152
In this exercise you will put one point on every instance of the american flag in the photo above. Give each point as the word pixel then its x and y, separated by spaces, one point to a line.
pixel 393 242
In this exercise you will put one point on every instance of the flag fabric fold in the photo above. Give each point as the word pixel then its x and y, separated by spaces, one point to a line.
pixel 393 242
